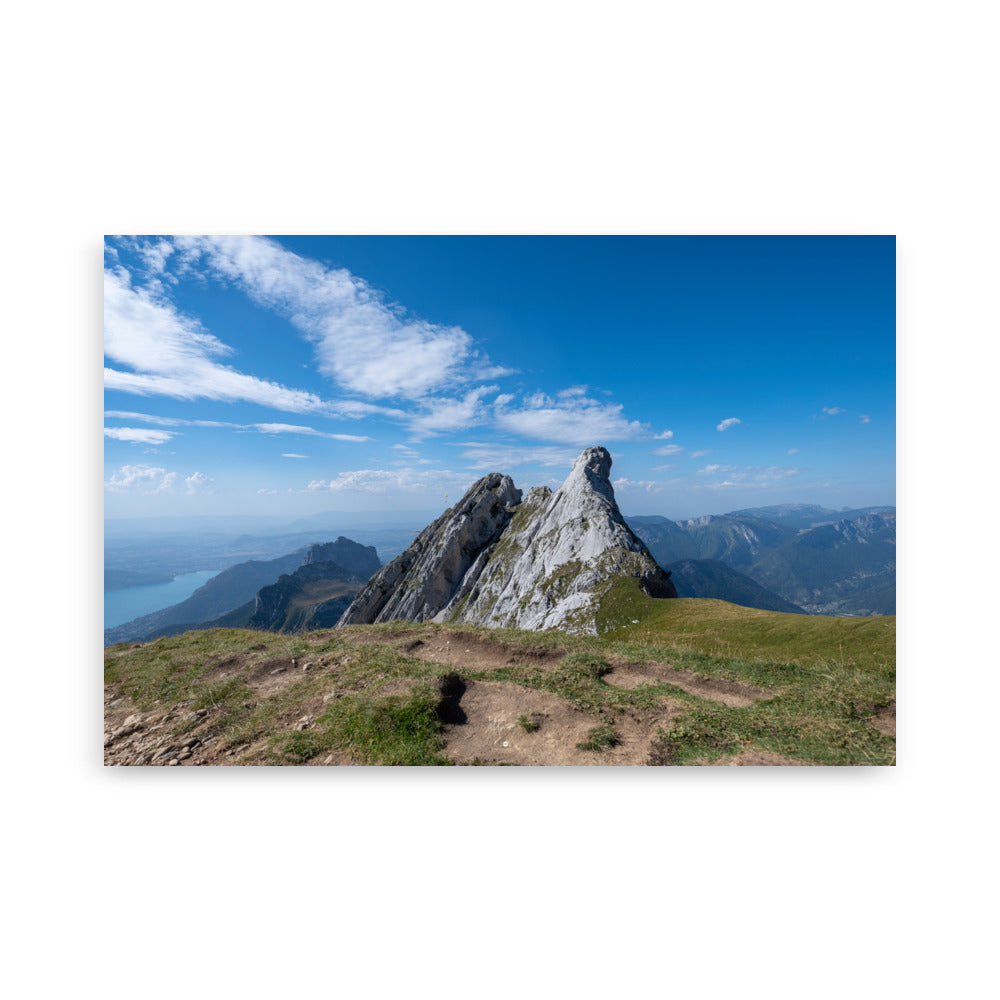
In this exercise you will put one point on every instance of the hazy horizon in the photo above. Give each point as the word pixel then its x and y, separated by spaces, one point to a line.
pixel 391 518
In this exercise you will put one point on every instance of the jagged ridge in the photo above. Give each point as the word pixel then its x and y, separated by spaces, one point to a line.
pixel 496 561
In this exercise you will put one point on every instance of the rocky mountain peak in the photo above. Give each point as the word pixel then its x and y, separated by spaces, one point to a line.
pixel 495 560
pixel 593 469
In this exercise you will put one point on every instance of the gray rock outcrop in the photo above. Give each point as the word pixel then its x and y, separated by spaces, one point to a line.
pixel 421 582
pixel 494 560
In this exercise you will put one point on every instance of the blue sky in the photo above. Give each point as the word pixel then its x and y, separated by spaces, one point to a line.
pixel 293 375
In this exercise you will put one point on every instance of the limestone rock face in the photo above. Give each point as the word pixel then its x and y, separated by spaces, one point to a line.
pixel 420 583
pixel 557 556
pixel 494 560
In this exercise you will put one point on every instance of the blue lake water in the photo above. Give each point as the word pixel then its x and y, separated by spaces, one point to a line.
pixel 122 606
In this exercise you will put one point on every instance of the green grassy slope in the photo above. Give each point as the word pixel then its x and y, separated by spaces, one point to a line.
pixel 369 701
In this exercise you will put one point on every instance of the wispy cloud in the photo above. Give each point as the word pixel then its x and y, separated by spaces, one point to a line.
pixel 667 450
pixel 636 486
pixel 407 456
pixel 148 418
pixel 309 431
pixel 748 475
pixel 833 410
pixel 665 436
pixel 431 485
pixel 727 423
pixel 440 415
pixel 365 343
pixel 263 428
pixel 793 451
pixel 292 454
pixel 865 419
pixel 566 419
pixel 501 457
pixel 138 435
pixel 173 355
pixel 701 453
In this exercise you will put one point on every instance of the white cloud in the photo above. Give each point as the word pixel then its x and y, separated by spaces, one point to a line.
pixel 366 344
pixel 793 451
pixel 566 419
pixel 666 435
pixel 173 355
pixel 297 429
pixel 865 419
pixel 144 417
pixel 267 493
pixel 198 483
pixel 141 478
pixel 503 457
pixel 155 255
pixel 667 450
pixel 291 454
pixel 265 428
pixel 728 422
pixel 431 485
pixel 138 435
pixel 699 454
pixel 833 410
pixel 442 414
pixel 633 486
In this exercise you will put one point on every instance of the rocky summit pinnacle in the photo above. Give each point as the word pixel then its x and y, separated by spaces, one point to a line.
pixel 497 560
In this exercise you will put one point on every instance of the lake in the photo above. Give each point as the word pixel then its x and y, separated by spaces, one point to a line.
pixel 122 606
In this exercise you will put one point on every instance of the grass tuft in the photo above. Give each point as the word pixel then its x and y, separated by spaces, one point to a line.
pixel 600 738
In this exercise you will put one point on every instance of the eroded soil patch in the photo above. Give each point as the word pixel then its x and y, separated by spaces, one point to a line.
pixel 731 693
pixel 472 653
pixel 885 720
pixel 492 734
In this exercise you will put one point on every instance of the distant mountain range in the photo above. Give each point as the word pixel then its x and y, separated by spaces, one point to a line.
pixel 821 560
pixel 793 558
pixel 844 568
pixel 711 578
pixel 307 588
